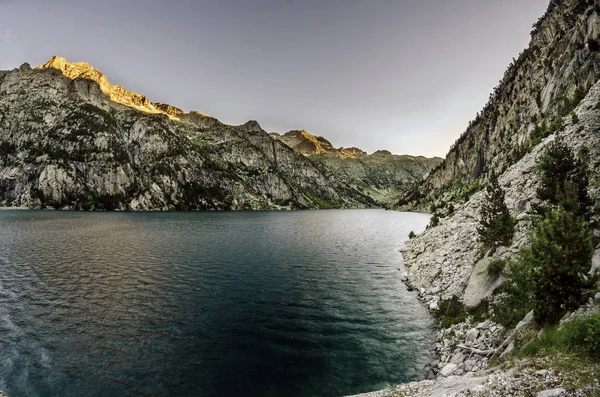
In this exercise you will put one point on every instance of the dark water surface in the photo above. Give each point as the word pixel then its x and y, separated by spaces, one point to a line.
pixel 207 304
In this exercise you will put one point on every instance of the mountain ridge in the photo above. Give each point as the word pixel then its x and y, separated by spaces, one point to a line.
pixel 383 176
pixel 69 139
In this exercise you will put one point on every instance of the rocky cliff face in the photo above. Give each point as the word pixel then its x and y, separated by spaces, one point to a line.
pixel 562 57
pixel 70 139
pixel 382 176
pixel 442 259
pixel 548 79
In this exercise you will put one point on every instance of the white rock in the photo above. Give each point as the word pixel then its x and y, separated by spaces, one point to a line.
pixel 528 319
pixel 596 261
pixel 457 358
pixel 484 325
pixel 448 369
pixel 472 335
pixel 481 284
pixel 552 393
pixel 501 251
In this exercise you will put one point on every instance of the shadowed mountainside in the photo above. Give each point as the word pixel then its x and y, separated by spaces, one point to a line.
pixel 383 176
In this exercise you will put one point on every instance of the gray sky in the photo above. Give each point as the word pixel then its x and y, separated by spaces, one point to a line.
pixel 401 75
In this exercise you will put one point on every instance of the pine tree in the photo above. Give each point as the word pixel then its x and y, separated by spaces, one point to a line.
pixel 496 226
pixel 563 178
pixel 559 261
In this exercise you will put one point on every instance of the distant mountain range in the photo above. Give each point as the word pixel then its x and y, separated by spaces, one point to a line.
pixel 383 176
pixel 69 139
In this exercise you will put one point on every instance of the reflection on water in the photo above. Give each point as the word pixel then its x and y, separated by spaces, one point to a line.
pixel 206 304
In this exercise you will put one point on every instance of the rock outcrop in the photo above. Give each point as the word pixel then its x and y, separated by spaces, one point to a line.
pixel 304 142
pixel 561 63
pixel 442 259
pixel 70 139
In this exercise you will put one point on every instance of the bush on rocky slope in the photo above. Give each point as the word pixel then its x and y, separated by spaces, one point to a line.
pixel 580 336
pixel 559 261
pixel 551 276
pixel 563 178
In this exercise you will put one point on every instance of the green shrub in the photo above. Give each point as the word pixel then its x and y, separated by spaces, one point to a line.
pixel 411 235
pixel 496 268
pixel 434 221
pixel 559 261
pixel 569 104
pixel 563 178
pixel 450 311
pixel 579 336
pixel 556 125
pixel 450 209
pixel 592 337
pixel 515 297
pixel 496 226
pixel 480 312
pixel 574 118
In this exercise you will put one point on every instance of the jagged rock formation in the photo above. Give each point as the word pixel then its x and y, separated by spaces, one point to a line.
pixel 305 143
pixel 70 139
pixel 441 260
pixel 548 79
pixel 382 176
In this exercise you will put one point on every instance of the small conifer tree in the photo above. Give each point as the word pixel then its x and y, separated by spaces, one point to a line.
pixel 559 261
pixel 496 226
pixel 563 178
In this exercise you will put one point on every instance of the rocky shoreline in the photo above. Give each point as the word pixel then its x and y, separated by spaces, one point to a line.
pixel 445 261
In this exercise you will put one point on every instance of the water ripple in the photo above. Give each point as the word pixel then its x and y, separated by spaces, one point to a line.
pixel 206 304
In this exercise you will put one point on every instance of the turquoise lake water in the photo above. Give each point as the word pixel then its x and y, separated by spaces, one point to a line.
pixel 306 303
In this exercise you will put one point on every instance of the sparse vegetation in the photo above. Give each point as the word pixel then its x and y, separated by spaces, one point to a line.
pixel 559 261
pixel 551 276
pixel 434 221
pixel 450 311
pixel 580 336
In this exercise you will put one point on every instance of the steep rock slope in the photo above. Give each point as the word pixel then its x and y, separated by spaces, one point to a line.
pixel 441 260
pixel 383 176
pixel 551 76
pixel 70 139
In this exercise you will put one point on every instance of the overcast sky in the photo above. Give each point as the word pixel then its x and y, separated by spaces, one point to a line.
pixel 401 75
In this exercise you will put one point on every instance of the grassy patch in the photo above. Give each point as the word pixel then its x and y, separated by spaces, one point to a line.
pixel 580 337
pixel 573 349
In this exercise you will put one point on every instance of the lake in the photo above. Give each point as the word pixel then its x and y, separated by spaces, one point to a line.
pixel 306 303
